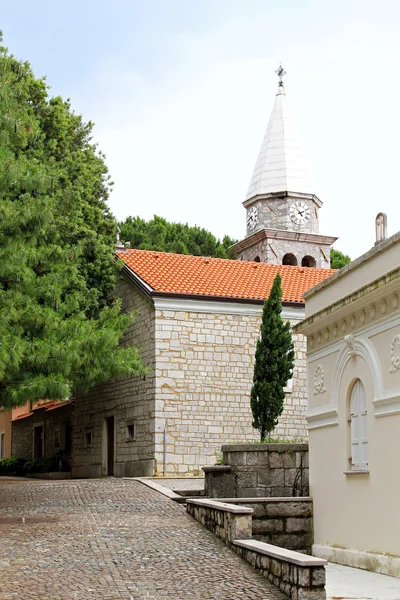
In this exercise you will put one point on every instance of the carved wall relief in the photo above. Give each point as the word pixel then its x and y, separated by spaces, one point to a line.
pixel 319 381
pixel 395 354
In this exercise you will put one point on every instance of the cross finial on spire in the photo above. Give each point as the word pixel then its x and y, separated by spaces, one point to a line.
pixel 280 72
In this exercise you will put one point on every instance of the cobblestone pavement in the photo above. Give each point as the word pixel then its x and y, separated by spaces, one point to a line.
pixel 112 539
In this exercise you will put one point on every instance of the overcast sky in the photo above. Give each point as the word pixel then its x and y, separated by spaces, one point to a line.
pixel 181 92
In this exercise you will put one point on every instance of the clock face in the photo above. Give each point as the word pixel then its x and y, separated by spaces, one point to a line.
pixel 252 217
pixel 299 212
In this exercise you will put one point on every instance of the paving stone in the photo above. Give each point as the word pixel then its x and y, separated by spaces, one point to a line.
pixel 112 539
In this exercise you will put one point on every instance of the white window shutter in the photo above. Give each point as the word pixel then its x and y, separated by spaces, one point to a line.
pixel 358 432
pixel 364 432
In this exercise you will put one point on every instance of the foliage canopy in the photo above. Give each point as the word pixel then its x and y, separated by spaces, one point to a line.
pixel 338 259
pixel 163 236
pixel 60 327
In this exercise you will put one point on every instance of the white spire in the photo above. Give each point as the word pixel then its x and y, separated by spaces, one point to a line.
pixel 281 166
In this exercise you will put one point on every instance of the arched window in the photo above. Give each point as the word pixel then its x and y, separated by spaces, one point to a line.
pixel 358 428
pixel 257 259
pixel 308 261
pixel 289 259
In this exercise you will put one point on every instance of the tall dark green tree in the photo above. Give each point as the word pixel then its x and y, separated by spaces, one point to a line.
pixel 60 328
pixel 180 238
pixel 274 362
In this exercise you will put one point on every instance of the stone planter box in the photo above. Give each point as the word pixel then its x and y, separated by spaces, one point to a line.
pixel 259 470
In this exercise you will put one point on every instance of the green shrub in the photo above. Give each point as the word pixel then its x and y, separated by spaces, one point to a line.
pixel 42 465
pixel 12 466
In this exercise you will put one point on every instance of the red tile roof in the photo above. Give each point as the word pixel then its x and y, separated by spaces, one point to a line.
pixel 198 275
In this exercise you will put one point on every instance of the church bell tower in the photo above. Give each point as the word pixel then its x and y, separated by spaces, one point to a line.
pixel 282 208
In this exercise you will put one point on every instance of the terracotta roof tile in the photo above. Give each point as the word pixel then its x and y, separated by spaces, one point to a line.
pixel 198 275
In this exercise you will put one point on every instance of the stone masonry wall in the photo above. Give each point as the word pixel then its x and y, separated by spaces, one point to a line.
pixel 129 399
pixel 204 371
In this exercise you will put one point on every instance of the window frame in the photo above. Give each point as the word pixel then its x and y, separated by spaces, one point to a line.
pixel 358 428
pixel 128 437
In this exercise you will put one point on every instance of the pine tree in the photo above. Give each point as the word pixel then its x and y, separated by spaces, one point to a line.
pixel 58 335
pixel 179 238
pixel 274 361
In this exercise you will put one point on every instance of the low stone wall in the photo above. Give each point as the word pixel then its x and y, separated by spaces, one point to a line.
pixel 259 470
pixel 300 577
pixel 280 521
pixel 227 521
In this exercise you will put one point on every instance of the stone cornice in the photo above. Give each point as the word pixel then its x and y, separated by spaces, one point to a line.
pixel 330 313
pixel 279 195
pixel 282 234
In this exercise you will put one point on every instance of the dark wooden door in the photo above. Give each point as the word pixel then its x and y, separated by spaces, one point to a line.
pixel 110 446
pixel 38 442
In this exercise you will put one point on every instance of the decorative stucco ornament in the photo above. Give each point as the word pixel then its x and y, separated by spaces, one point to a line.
pixel 319 381
pixel 395 354
pixel 334 330
pixel 344 325
pixel 326 334
pixel 352 321
pixel 382 306
pixel 362 317
pixel 319 337
pixel 394 301
pixel 372 311
pixel 311 342
pixel 350 342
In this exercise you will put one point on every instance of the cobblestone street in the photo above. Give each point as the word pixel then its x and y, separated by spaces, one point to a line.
pixel 109 539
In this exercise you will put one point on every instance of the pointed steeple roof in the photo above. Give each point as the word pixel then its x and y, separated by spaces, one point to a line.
pixel 281 166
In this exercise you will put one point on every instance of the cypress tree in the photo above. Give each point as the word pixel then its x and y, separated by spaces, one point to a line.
pixel 274 361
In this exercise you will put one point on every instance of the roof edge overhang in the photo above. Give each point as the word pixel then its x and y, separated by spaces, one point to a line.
pixel 284 194
pixel 282 234
pixel 152 293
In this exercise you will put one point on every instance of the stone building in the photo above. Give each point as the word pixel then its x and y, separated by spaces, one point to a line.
pixel 282 208
pixel 5 433
pixel 353 338
pixel 197 325
pixel 42 430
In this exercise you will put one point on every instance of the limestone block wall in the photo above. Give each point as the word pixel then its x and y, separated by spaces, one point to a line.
pixel 275 213
pixel 204 371
pixel 130 400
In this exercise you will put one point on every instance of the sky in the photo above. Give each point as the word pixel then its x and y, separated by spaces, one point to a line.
pixel 181 92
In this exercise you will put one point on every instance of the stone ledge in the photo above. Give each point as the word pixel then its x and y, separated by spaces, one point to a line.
pixel 217 469
pixel 265 499
pixel 157 487
pixel 223 506
pixel 290 556
pixel 286 447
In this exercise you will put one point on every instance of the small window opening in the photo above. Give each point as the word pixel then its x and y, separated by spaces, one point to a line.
pixel 289 259
pixel 130 431
pixel 308 261
pixel 88 438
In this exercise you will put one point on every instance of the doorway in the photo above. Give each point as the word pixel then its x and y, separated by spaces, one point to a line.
pixel 110 446
pixel 38 442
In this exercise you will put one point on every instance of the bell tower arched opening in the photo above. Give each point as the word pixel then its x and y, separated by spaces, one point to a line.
pixel 308 261
pixel 289 259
